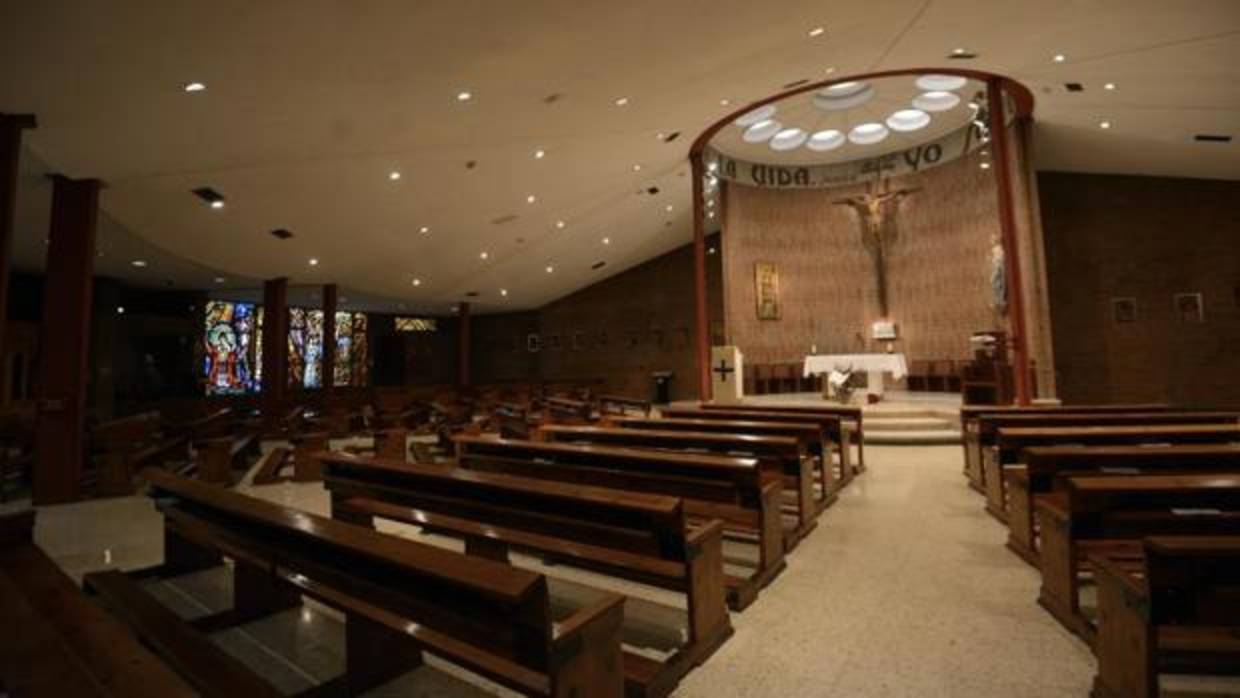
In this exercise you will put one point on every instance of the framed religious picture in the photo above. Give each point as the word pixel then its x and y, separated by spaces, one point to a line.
pixel 533 343
pixel 766 290
pixel 1189 307
pixel 1123 310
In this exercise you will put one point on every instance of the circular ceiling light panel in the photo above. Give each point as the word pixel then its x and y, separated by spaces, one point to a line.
pixel 868 134
pixel 908 120
pixel 933 82
pixel 936 100
pixel 826 140
pixel 762 131
pixel 843 95
pixel 789 139
pixel 757 115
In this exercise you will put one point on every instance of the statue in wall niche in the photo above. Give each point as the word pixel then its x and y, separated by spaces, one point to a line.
pixel 998 276
pixel 876 212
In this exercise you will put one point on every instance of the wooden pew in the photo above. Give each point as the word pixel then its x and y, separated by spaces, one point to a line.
pixel 851 419
pixel 567 411
pixel 1043 464
pixel 621 405
pixel 56 643
pixel 834 434
pixel 1097 514
pixel 808 433
pixel 1176 610
pixel 306 466
pixel 1011 441
pixel 644 538
pixel 745 493
pixel 976 434
pixel 398 597
pixel 216 459
pixel 385 443
pixel 788 452
pixel 122 447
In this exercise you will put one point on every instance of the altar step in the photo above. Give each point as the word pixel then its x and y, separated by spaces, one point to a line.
pixel 910 427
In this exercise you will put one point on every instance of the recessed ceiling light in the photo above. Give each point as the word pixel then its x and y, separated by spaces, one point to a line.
pixel 789 138
pixel 464 96
pixel 417 282
pixel 120 310
pixel 194 87
pixel 503 292
pixel 817 31
pixel 1060 58
pixel 531 199
pixel 936 100
pixel 867 134
pixel 1109 86
pixel 424 230
pixel 830 69
pixel 762 131
pixel 139 263
pixel 606 241
pixel 483 255
pixel 908 120
pixel 393 175
pixel 217 204
pixel 960 51
pixel 314 261
pixel 670 207
pixel 844 95
pixel 758 115
pixel 622 101
pixel 540 154
pixel 637 168
pixel 985 165
pixel 550 268
pixel 559 224
pixel 1104 124
pixel 724 102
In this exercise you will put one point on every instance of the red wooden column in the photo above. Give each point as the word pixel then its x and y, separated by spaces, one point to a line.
pixel 275 346
pixel 701 324
pixel 11 127
pixel 329 338
pixel 1007 224
pixel 466 355
pixel 65 340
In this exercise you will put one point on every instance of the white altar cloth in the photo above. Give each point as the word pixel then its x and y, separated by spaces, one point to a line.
pixel 869 363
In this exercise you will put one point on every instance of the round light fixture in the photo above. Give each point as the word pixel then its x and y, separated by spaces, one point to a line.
pixel 867 134
pixel 789 139
pixel 936 100
pixel 826 140
pixel 935 82
pixel 757 115
pixel 762 131
pixel 908 120
pixel 843 95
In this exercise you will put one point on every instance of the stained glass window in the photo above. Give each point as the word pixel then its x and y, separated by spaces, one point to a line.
pixel 344 346
pixel 415 324
pixel 361 351
pixel 305 348
pixel 228 333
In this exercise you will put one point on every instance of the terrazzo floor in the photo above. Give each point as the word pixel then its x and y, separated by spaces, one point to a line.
pixel 904 589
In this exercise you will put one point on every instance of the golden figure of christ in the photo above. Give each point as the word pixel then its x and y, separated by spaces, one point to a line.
pixel 875 211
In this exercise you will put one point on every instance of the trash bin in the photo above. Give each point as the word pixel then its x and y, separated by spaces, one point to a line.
pixel 662 387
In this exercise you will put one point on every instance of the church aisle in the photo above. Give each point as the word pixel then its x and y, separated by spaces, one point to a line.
pixel 905 589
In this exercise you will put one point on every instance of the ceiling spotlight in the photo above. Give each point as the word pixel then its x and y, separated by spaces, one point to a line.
pixel 1060 58
pixel 483 255
pixel 314 261
pixel 550 268
pixel 670 207
pixel 830 69
pixel 637 168
pixel 417 282
pixel 622 101
pixel 724 102
pixel 217 204
pixel 503 292
pixel 120 310
pixel 559 224
pixel 540 154
pixel 531 199
pixel 960 51
pixel 393 175
pixel 464 96
pixel 985 165
pixel 1104 124
pixel 139 263
pixel 1109 86
pixel 194 87
pixel 817 31
pixel 606 241
pixel 424 230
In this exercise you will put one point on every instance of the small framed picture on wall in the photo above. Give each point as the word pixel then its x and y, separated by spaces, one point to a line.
pixel 1124 310
pixel 1189 307
pixel 533 343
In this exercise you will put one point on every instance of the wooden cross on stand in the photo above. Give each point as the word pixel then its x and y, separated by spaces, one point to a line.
pixel 876 212
pixel 723 369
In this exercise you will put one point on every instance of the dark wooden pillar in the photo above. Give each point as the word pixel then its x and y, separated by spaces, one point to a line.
pixel 329 338
pixel 275 345
pixel 11 127
pixel 701 323
pixel 466 355
pixel 65 340
pixel 1002 168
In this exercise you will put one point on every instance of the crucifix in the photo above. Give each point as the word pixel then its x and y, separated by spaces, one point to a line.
pixel 723 369
pixel 876 212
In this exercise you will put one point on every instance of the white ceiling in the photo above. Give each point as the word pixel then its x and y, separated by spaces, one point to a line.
pixel 310 104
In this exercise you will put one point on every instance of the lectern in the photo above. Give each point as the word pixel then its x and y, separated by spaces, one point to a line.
pixel 726 371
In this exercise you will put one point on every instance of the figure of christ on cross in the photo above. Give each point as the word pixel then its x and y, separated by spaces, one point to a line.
pixel 875 210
